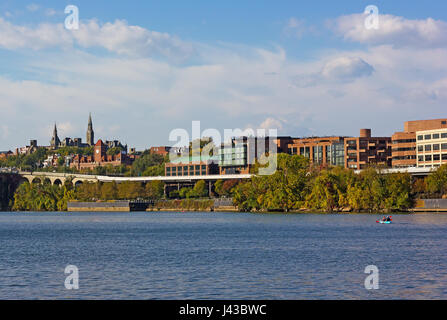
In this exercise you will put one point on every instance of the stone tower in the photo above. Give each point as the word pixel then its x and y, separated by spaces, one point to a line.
pixel 55 142
pixel 90 133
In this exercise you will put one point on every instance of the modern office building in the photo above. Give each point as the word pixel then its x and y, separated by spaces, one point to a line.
pixel 403 150
pixel 431 148
pixel 192 166
pixel 240 154
pixel 323 151
pixel 365 150
pixel 349 152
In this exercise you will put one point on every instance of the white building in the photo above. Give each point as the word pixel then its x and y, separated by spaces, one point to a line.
pixel 431 148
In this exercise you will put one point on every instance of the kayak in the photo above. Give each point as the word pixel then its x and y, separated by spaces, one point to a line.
pixel 385 222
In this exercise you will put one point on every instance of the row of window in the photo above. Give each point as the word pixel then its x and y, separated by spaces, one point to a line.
pixel 434 157
pixel 433 136
pixel 404 149
pixel 191 173
pixel 432 147
pixel 410 157
pixel 404 141
pixel 185 169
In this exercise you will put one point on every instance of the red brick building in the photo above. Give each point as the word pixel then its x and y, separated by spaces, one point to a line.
pixel 5 154
pixel 404 143
pixel 100 158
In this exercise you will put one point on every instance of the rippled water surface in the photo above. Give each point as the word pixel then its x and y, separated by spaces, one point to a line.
pixel 221 256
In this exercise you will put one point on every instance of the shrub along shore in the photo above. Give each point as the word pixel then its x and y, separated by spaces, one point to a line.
pixel 296 186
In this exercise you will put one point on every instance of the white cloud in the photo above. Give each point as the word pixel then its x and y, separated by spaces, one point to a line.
pixel 272 123
pixel 338 69
pixel 393 30
pixel 32 7
pixel 346 68
pixel 139 100
pixel 50 12
pixel 117 37
pixel 295 27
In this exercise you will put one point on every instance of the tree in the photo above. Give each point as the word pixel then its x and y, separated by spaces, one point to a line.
pixel 114 151
pixel 109 191
pixel 154 189
pixel 218 187
pixel 437 180
pixel 200 189
pixel 142 165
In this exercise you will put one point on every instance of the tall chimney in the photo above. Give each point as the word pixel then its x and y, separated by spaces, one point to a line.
pixel 365 133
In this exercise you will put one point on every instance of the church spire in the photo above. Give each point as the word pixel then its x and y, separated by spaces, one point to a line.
pixel 55 142
pixel 90 132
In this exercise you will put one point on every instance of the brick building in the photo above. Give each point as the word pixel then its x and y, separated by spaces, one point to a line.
pixel 365 150
pixel 349 152
pixel 403 151
pixel 192 166
pixel 5 154
pixel 323 151
pixel 100 158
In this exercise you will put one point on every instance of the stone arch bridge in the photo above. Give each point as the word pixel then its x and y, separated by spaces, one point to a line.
pixel 60 178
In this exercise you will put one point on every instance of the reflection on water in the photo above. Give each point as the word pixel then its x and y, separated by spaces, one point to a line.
pixel 221 255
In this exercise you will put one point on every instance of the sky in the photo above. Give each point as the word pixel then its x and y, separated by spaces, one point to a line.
pixel 145 68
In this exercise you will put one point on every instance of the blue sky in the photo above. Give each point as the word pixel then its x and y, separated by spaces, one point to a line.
pixel 144 68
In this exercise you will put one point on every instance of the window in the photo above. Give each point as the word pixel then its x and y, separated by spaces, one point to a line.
pixel 428 158
pixel 420 158
pixel 427 137
pixel 436 147
pixel 420 137
pixel 444 122
pixel 444 156
pixel 436 157
pixel 444 135
pixel 444 146
pixel 420 148
pixel 435 135
pixel 428 147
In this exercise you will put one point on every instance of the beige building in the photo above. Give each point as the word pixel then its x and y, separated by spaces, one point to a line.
pixel 404 143
pixel 431 148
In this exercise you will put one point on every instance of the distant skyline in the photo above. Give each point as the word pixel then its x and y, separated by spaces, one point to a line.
pixel 144 68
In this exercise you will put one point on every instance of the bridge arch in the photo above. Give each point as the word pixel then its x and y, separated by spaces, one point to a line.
pixel 57 182
pixel 46 180
pixel 35 180
pixel 77 182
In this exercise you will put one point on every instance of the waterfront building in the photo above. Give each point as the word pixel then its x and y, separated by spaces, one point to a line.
pixel 192 166
pixel 322 151
pixel 282 143
pixel 431 148
pixel 403 151
pixel 240 154
pixel 349 152
pixel 365 150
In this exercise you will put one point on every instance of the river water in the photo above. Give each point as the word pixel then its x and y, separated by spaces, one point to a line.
pixel 221 256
